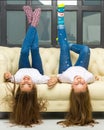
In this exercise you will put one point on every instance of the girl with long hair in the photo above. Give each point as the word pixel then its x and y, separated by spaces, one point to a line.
pixel 80 109
pixel 26 105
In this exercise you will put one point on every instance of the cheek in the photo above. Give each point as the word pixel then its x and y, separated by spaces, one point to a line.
pixel 22 81
pixel 83 82
pixel 85 86
pixel 74 86
pixel 75 83
pixel 30 81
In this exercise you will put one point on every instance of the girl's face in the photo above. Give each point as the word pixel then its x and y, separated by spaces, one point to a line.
pixel 26 84
pixel 79 84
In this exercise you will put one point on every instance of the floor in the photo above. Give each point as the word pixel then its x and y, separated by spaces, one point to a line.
pixel 50 123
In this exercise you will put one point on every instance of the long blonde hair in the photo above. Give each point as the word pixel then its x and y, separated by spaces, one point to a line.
pixel 26 108
pixel 80 110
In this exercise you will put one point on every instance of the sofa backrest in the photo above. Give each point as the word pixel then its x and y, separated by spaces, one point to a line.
pixel 9 58
pixel 96 65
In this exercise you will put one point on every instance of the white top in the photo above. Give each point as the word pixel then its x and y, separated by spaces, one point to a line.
pixel 71 72
pixel 33 73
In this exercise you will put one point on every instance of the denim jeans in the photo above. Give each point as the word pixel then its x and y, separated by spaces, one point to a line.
pixel 30 43
pixel 65 47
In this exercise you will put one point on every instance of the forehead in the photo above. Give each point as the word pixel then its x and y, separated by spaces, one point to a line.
pixel 26 87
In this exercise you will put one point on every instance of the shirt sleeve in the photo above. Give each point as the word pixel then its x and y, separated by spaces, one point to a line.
pixel 43 79
pixel 64 78
pixel 17 76
pixel 89 77
pixel 14 79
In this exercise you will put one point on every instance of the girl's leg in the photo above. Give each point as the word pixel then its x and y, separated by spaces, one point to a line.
pixel 24 55
pixel 65 61
pixel 36 59
pixel 84 55
pixel 28 12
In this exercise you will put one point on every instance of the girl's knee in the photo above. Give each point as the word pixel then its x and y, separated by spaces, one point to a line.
pixel 86 49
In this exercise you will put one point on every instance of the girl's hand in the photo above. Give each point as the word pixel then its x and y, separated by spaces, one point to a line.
pixel 52 81
pixel 7 75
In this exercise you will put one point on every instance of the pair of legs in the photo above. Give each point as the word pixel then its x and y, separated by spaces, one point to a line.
pixel 65 47
pixel 30 43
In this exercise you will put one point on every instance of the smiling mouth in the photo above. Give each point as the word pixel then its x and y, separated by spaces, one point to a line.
pixel 26 77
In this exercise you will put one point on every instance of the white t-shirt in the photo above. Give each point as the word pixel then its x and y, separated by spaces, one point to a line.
pixel 33 73
pixel 71 72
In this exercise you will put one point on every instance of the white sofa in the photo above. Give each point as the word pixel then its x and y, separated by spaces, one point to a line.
pixel 59 95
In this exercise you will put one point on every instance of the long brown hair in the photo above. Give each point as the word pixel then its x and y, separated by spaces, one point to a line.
pixel 26 108
pixel 80 110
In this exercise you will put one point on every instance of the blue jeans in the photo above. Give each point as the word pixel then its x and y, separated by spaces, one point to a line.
pixel 65 47
pixel 30 43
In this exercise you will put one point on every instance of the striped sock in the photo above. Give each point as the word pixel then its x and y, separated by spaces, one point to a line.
pixel 60 14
